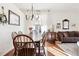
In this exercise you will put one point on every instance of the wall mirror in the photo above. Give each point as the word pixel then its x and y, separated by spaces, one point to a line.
pixel 65 24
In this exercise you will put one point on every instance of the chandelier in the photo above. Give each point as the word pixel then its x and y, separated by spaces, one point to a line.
pixel 33 13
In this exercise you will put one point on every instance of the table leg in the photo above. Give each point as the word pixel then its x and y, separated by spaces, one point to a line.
pixel 39 48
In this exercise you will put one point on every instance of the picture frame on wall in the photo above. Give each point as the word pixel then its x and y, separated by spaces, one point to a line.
pixel 13 18
pixel 65 24
pixel 58 25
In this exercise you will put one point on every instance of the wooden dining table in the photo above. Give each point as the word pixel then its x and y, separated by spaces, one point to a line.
pixel 37 38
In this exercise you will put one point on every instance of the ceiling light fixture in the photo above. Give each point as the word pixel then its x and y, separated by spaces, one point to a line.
pixel 33 14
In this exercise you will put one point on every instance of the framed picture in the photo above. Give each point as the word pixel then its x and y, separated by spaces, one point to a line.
pixel 13 18
pixel 58 25
pixel 65 24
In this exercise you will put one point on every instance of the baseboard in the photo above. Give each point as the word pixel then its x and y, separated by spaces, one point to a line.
pixel 10 53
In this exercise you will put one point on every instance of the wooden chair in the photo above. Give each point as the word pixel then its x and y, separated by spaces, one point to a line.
pixel 13 34
pixel 24 46
pixel 51 37
pixel 42 46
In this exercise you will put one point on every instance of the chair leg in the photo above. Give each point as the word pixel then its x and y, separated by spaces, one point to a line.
pixel 44 51
pixel 14 54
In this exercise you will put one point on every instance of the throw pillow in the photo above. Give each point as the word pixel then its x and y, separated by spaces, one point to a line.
pixel 65 34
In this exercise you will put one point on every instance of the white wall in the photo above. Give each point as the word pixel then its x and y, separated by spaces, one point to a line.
pixel 72 16
pixel 6 43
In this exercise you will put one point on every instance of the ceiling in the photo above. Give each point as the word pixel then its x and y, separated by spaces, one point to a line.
pixel 49 6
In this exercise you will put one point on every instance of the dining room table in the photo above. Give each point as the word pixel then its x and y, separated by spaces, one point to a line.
pixel 37 39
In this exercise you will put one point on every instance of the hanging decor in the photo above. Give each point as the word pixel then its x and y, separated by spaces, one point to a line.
pixel 65 24
pixel 58 26
pixel 3 18
pixel 14 19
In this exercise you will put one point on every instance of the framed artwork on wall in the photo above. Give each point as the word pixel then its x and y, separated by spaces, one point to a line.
pixel 13 18
pixel 65 24
pixel 58 26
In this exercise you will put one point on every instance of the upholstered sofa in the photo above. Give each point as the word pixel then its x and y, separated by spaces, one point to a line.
pixel 68 36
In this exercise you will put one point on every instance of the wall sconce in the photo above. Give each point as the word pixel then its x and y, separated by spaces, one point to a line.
pixel 3 18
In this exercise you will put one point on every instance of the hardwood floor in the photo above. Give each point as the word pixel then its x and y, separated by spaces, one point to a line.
pixel 10 53
pixel 52 50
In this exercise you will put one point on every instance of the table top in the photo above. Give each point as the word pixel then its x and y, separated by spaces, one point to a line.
pixel 36 37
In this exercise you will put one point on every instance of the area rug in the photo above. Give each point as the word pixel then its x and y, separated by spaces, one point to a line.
pixel 70 48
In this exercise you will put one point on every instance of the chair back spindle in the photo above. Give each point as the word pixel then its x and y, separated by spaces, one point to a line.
pixel 24 45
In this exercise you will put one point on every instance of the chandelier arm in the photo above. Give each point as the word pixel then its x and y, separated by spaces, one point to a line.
pixel 32 13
